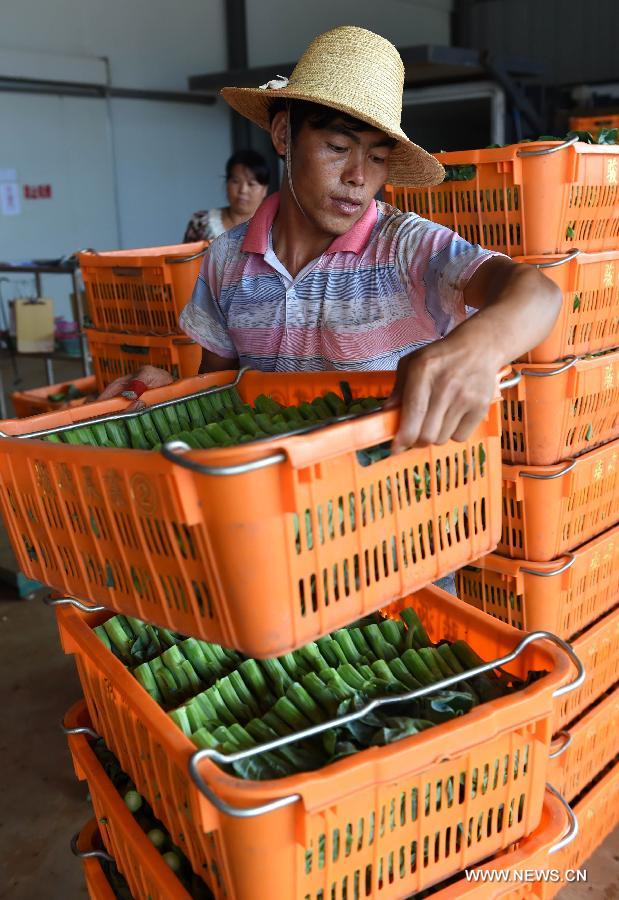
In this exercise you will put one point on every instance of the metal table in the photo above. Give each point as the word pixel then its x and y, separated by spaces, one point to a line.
pixel 63 267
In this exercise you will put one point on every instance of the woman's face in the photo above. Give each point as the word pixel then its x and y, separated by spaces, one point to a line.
pixel 245 193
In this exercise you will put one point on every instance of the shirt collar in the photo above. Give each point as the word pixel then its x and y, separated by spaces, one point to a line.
pixel 353 241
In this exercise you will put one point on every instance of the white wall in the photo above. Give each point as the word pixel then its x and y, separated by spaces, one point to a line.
pixel 150 43
pixel 125 172
pixel 279 30
pixel 129 173
pixel 170 161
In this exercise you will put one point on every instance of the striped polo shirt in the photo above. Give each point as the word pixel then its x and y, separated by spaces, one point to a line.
pixel 391 284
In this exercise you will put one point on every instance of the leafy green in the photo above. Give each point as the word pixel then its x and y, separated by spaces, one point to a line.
pixel 460 173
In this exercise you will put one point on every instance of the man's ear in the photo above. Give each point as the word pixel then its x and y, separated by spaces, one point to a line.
pixel 278 132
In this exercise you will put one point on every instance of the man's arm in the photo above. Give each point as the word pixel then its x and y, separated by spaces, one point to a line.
pixel 445 388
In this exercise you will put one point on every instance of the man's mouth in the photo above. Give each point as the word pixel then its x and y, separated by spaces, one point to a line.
pixel 346 205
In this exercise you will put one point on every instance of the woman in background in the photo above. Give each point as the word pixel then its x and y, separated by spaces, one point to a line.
pixel 247 180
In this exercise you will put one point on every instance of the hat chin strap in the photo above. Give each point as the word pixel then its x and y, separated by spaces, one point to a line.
pixel 289 160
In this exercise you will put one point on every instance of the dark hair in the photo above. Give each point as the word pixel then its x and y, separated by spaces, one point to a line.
pixel 253 161
pixel 316 116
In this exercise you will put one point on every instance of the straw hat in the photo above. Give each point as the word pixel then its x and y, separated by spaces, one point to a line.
pixel 359 73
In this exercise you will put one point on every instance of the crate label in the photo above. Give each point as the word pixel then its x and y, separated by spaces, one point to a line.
pixel 595 562
pixel 611 171
pixel 598 470
pixel 610 551
pixel 609 275
pixel 114 485
pixel 43 479
pixel 66 480
pixel 144 494
pixel 609 376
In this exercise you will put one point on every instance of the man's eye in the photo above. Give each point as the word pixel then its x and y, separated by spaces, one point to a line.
pixel 379 159
pixel 336 148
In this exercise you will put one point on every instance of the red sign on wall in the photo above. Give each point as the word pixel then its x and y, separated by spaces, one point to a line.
pixel 37 191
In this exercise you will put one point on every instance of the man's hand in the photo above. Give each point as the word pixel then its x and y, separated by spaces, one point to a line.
pixel 444 391
pixel 151 376
pixel 445 388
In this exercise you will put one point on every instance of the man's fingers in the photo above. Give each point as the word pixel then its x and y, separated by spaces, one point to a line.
pixel 451 422
pixel 151 376
pixel 468 424
pixel 395 397
pixel 415 401
pixel 135 406
pixel 115 388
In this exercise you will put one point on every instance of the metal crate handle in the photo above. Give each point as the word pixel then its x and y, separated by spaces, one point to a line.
pixel 175 260
pixel 572 829
pixel 251 811
pixel 80 729
pixel 88 854
pixel 559 474
pixel 566 739
pixel 559 262
pixel 547 150
pixel 570 562
pixel 514 379
pixel 532 373
pixel 174 451
pixel 114 417
pixel 72 601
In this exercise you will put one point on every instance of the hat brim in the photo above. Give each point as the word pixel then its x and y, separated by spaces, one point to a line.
pixel 409 164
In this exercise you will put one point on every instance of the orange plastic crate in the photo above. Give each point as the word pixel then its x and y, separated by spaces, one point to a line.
pixel 589 317
pixel 598 814
pixel 512 733
pixel 593 743
pixel 144 868
pixel 550 510
pixel 114 355
pixel 232 558
pixel 598 650
pixel 35 401
pixel 563 596
pixel 141 291
pixel 352 796
pixel 594 124
pixel 531 852
pixel 97 884
pixel 525 202
pixel 534 852
pixel 560 411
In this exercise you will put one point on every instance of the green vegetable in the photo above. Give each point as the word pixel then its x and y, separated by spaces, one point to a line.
pixel 173 860
pixel 160 420
pixel 248 702
pixel 195 413
pixel 133 800
pixel 157 837
pixel 117 433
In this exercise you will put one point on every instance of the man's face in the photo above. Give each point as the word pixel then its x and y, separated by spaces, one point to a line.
pixel 336 172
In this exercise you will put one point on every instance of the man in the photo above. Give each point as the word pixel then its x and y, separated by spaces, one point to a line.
pixel 323 277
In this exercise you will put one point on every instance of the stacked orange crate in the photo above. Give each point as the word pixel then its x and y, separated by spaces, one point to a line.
pixel 45 399
pixel 145 870
pixel 594 124
pixel 134 299
pixel 160 536
pixel 555 206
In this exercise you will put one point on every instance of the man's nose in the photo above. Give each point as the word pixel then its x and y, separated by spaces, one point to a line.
pixel 354 172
